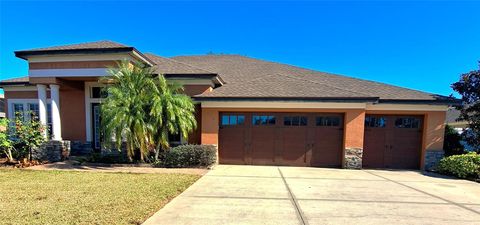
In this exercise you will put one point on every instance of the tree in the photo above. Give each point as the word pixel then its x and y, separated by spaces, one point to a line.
pixel 452 143
pixel 469 88
pixel 142 109
pixel 6 144
pixel 28 134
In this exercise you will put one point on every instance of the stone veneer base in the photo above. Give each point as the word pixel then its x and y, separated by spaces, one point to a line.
pixel 353 158
pixel 52 151
pixel 432 158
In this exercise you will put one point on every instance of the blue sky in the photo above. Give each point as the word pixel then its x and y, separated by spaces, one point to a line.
pixel 419 45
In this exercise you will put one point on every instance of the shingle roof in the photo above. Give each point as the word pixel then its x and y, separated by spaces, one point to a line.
pixel 87 47
pixel 247 77
pixel 452 115
pixel 16 80
pixel 105 44
pixel 171 66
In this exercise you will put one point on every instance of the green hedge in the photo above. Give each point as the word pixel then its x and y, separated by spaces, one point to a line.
pixel 463 166
pixel 190 156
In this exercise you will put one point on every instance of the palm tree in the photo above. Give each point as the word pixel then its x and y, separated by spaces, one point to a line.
pixel 172 112
pixel 141 110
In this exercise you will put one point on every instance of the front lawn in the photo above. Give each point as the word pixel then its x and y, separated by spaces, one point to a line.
pixel 59 197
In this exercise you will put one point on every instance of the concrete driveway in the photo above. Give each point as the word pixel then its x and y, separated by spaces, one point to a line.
pixel 294 195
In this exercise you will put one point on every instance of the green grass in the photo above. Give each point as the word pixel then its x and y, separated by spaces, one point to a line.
pixel 59 197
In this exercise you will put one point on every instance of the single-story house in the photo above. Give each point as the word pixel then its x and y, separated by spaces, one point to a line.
pixel 255 111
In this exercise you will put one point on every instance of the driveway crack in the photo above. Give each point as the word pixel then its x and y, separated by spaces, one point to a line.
pixel 293 199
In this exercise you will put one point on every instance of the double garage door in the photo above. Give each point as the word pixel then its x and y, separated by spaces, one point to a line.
pixel 392 141
pixel 316 139
pixel 307 139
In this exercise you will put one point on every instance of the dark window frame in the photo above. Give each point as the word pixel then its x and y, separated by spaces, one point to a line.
pixel 232 119
pixel 264 120
pixel 375 121
pixel 295 121
pixel 407 123
pixel 328 121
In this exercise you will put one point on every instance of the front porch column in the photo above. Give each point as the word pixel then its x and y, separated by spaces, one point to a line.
pixel 56 122
pixel 42 105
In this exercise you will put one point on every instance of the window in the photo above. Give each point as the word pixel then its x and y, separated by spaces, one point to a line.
pixel 407 122
pixel 328 121
pixel 17 110
pixel 97 92
pixel 374 121
pixel 295 121
pixel 2 105
pixel 33 111
pixel 263 120
pixel 233 119
pixel 22 108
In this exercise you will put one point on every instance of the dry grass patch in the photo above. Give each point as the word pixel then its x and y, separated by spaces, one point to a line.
pixel 59 197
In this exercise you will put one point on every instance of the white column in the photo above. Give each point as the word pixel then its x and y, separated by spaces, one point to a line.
pixel 42 105
pixel 56 123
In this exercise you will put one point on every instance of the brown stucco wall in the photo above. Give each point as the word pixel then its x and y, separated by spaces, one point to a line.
pixel 72 113
pixel 72 64
pixel 354 128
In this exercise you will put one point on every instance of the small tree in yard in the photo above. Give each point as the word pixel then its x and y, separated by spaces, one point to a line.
pixel 27 135
pixel 142 109
pixel 6 144
pixel 452 143
pixel 469 87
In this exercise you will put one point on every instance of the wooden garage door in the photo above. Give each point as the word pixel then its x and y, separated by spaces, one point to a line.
pixel 392 141
pixel 296 139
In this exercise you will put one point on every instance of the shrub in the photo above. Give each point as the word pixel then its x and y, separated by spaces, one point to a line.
pixel 190 156
pixel 462 166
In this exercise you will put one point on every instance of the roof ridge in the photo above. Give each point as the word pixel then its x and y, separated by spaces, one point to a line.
pixel 176 61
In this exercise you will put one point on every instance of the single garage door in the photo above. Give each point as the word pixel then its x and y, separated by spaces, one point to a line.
pixel 295 139
pixel 392 141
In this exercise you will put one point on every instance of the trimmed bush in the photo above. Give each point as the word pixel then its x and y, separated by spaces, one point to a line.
pixel 184 156
pixel 462 166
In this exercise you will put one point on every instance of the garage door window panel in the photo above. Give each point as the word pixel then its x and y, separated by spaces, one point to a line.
pixel 407 122
pixel 263 120
pixel 232 120
pixel 295 121
pixel 328 121
pixel 375 122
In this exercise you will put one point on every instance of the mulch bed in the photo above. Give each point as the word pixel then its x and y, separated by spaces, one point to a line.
pixel 20 164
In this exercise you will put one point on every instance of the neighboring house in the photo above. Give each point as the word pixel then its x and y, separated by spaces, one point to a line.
pixel 256 112
pixel 2 106
pixel 452 120
pixel 460 126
